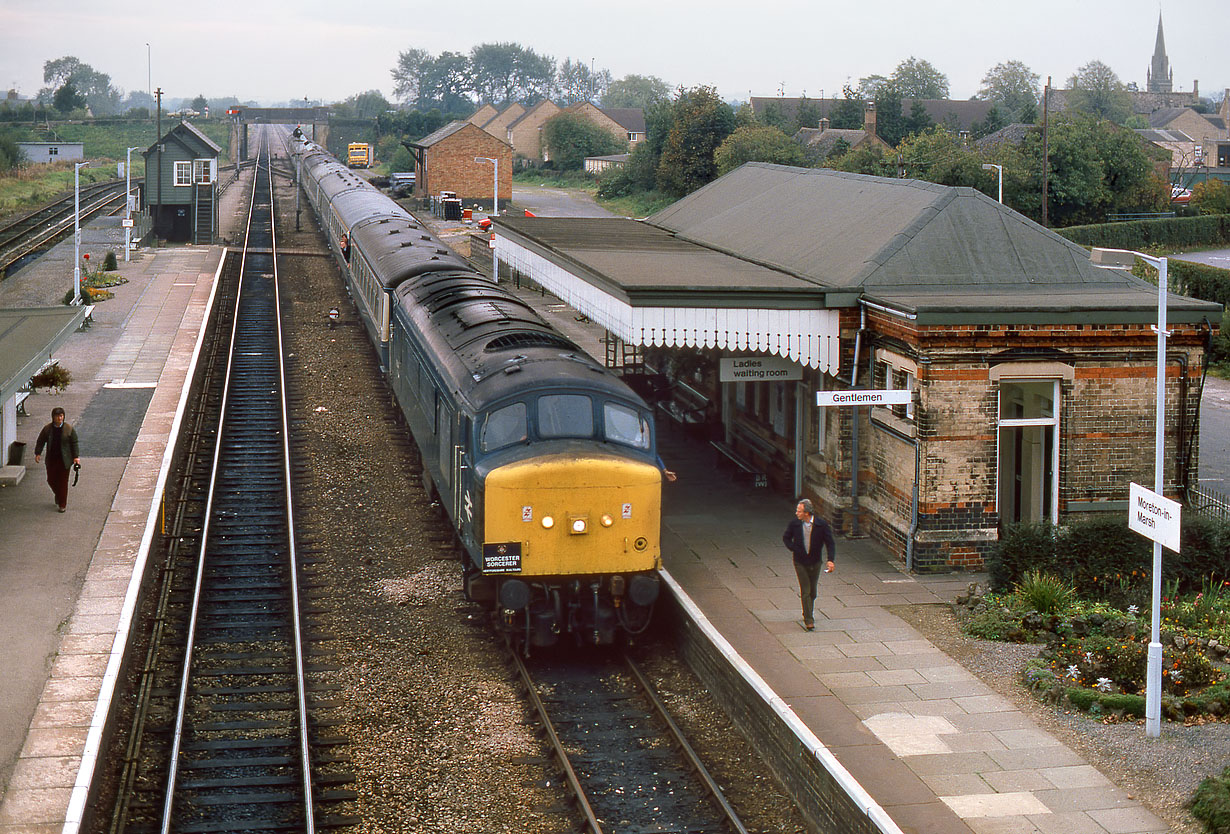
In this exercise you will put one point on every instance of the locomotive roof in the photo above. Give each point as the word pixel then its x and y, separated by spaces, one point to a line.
pixel 492 344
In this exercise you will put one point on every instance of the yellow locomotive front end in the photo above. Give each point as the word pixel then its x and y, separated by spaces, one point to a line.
pixel 572 544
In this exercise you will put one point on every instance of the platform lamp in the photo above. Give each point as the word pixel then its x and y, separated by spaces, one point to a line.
pixel 128 203
pixel 495 194
pixel 1124 259
pixel 77 230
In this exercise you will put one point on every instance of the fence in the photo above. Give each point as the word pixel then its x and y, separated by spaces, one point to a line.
pixel 1209 502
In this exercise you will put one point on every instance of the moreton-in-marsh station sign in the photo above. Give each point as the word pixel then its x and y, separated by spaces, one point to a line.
pixel 1154 516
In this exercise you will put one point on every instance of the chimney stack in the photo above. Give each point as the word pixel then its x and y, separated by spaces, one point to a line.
pixel 869 118
pixel 824 124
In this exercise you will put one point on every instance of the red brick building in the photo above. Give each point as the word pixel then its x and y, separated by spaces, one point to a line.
pixel 1031 372
pixel 445 161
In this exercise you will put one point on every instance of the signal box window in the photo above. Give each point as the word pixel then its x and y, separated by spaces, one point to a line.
pixel 565 415
pixel 183 173
pixel 625 425
pixel 504 427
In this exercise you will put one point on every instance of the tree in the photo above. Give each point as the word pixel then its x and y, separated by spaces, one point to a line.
pixel 1211 197
pixel 916 78
pixel 918 120
pixel 507 72
pixel 757 143
pixel 200 104
pixel 1097 90
pixel 94 86
pixel 570 137
pixel 847 114
pixel 867 158
pixel 890 121
pixel 636 91
pixel 993 122
pixel 938 155
pixel 366 105
pixel 808 114
pixel 67 99
pixel 576 81
pixel 1013 88
pixel 446 83
pixel 868 87
pixel 701 122
pixel 408 75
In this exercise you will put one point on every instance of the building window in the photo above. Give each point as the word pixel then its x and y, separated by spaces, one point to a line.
pixel 894 372
pixel 183 173
pixel 53 151
pixel 202 171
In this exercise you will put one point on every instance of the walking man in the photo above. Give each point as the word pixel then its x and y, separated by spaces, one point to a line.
pixel 807 537
pixel 60 438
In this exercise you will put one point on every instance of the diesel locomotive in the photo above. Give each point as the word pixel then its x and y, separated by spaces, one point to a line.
pixel 543 459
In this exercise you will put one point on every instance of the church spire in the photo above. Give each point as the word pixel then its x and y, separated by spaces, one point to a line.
pixel 1160 77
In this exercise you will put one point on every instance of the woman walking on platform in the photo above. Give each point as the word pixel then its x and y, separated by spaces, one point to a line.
pixel 60 438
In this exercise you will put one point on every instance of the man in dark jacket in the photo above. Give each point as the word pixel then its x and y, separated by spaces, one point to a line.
pixel 62 454
pixel 807 536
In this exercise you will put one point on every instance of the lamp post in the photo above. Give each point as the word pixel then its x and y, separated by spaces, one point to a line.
pixel 495 193
pixel 128 203
pixel 149 71
pixel 1123 259
pixel 991 166
pixel 77 230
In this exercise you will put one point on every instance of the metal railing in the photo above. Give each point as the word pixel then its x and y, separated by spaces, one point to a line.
pixel 1210 502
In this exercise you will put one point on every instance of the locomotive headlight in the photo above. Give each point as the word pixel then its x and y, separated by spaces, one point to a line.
pixel 607 521
pixel 548 522
pixel 579 525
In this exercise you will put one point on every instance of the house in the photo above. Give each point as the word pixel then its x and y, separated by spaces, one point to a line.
pixel 181 184
pixel 824 140
pixel 42 153
pixel 626 124
pixel 454 158
pixel 1028 373
pixel 524 133
pixel 483 114
pixel 1185 152
pixel 1197 126
pixel 498 124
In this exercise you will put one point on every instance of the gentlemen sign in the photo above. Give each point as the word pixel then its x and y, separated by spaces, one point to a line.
pixel 1154 516
pixel 758 369
pixel 868 397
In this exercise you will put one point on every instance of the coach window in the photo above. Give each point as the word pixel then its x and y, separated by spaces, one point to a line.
pixel 504 427
pixel 565 415
pixel 625 425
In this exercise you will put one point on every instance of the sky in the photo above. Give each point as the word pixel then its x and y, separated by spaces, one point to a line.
pixel 279 51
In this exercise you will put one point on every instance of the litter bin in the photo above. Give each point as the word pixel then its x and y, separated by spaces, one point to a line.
pixel 452 208
pixel 17 451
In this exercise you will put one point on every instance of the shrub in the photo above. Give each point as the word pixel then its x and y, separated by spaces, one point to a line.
pixel 1045 593
pixel 1021 547
pixel 993 624
pixel 109 262
pixel 1211 803
pixel 1171 233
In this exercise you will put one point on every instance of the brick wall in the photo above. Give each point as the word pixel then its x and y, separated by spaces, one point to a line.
pixel 449 165
pixel 1106 428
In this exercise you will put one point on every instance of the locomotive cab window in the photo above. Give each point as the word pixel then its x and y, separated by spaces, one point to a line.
pixel 565 415
pixel 622 424
pixel 504 427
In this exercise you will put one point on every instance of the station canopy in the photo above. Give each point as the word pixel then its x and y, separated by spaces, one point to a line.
pixel 28 337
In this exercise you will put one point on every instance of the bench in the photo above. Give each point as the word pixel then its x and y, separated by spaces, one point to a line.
pixel 683 405
pixel 89 316
pixel 759 478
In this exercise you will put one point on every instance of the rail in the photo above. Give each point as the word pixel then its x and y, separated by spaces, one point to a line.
pixel 35 229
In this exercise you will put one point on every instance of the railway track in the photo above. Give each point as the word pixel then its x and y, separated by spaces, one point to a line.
pixel 30 232
pixel 628 765
pixel 228 734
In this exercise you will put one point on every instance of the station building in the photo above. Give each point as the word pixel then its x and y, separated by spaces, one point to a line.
pixel 1031 372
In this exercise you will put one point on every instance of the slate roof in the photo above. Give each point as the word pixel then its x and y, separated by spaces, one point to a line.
pixel 929 249
pixel 1013 134
pixel 188 135
pixel 631 119
pixel 1166 115
pixel 440 134
pixel 824 140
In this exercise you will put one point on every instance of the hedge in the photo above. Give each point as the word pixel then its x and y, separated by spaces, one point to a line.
pixel 1170 233
pixel 1094 554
